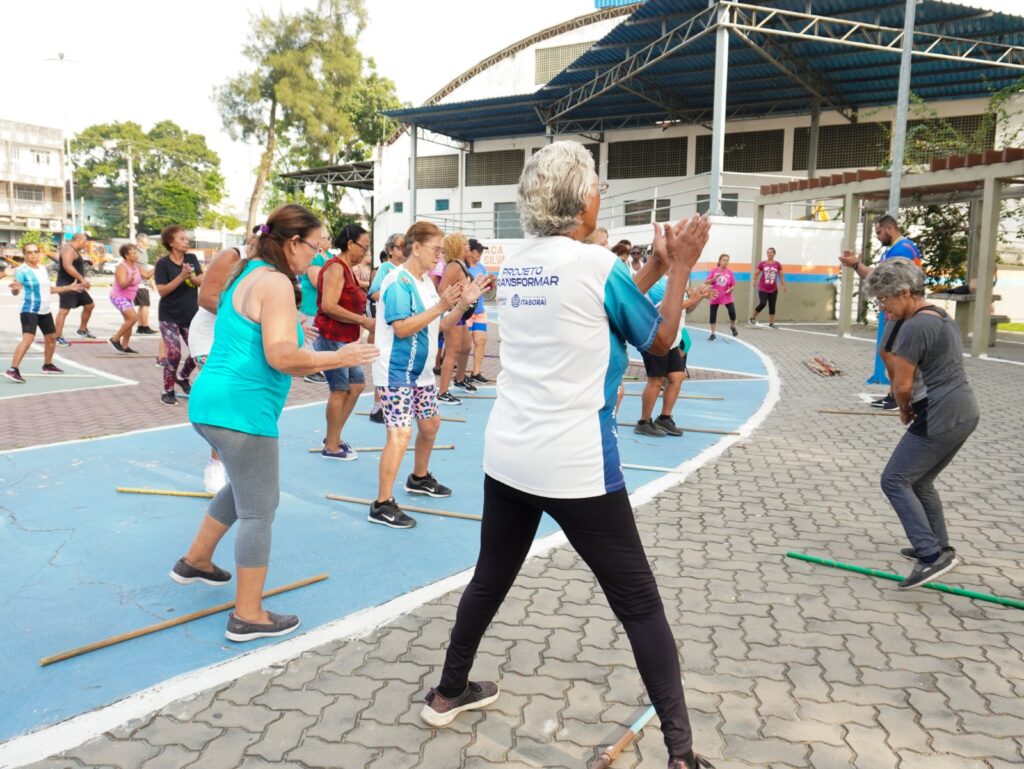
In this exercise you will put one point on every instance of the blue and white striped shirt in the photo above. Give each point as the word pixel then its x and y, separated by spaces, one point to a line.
pixel 35 282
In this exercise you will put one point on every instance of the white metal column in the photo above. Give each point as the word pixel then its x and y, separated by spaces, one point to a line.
pixel 990 205
pixel 851 218
pixel 719 102
pixel 755 254
pixel 899 123
pixel 412 174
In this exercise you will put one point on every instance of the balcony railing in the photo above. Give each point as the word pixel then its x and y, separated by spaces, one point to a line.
pixel 29 208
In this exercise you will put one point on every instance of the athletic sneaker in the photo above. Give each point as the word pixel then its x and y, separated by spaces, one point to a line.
pixel 647 427
pixel 441 711
pixel 115 344
pixel 773 327
pixel 62 342
pixel 464 384
pixel 169 399
pixel 699 762
pixel 752 322
pixel 479 378
pixel 377 416
pixel 888 403
pixel 426 485
pixel 14 375
pixel 345 453
pixel 390 514
pixel 712 338
pixel 144 330
pixel 448 398
pixel 85 333
pixel 185 385
pixel 49 368
pixel 214 476
pixel 159 362
pixel 130 351
pixel 240 631
pixel 911 554
pixel 185 574
pixel 923 573
pixel 668 424
pixel 735 331
pixel 437 370
pixel 317 378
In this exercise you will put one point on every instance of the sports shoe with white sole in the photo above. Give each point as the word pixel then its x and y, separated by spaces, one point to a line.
pixel 923 573
pixel 441 711
pixel 240 631
pixel 185 574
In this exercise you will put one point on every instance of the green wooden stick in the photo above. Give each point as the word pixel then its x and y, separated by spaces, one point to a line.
pixel 896 577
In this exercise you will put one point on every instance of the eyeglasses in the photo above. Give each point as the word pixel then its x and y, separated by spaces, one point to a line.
pixel 362 246
pixel 315 248
pixel 602 188
pixel 436 249
pixel 33 251
pixel 399 246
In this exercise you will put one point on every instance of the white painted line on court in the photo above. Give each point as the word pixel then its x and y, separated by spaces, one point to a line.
pixel 998 360
pixel 75 731
pixel 826 333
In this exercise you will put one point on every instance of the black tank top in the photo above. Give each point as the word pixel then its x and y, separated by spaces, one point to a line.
pixel 64 278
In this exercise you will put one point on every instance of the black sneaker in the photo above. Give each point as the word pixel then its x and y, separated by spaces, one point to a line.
pixel 241 631
pixel 887 403
pixel 14 375
pixel 115 344
pixel 647 427
pixel 911 554
pixel 668 424
pixel 377 416
pixel 426 485
pixel 448 398
pixel 479 379
pixel 185 574
pixel 169 399
pixel 130 351
pixel 85 333
pixel 752 322
pixel 735 331
pixel 464 384
pixel 317 378
pixel 712 337
pixel 437 370
pixel 390 514
pixel 923 573
pixel 698 762
pixel 441 711
pixel 185 385
pixel 144 330
pixel 773 327
pixel 49 368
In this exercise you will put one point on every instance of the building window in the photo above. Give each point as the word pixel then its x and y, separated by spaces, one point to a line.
pixel 506 221
pixel 476 204
pixel 441 204
pixel 548 62
pixel 437 172
pixel 491 168
pixel 639 211
pixel 398 207
pixel 746 152
pixel 646 158
pixel 730 204
pixel 848 145
pixel 41 157
pixel 28 192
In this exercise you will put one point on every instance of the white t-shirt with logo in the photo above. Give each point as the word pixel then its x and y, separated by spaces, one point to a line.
pixel 566 311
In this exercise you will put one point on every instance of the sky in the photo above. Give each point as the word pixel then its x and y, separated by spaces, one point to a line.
pixel 146 62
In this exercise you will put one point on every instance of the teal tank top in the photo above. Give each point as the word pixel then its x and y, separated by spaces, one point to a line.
pixel 237 389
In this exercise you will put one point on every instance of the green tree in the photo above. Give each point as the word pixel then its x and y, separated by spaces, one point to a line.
pixel 177 176
pixel 306 68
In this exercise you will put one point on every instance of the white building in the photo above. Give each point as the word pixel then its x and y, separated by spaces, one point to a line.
pixel 31 180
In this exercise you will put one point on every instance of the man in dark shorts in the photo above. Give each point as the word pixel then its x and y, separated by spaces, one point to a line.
pixel 142 300
pixel 71 270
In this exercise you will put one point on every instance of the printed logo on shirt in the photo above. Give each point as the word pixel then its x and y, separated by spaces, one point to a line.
pixel 526 277
pixel 528 301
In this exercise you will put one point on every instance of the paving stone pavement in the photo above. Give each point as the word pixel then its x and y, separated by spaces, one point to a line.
pixel 787 664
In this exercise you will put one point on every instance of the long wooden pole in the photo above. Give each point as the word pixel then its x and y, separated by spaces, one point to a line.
pixel 410 508
pixel 445 447
pixel 443 419
pixel 689 429
pixel 609 754
pixel 165 492
pixel 171 623
pixel 875 413
pixel 688 397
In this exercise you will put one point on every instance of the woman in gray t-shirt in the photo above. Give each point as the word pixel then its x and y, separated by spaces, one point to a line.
pixel 936 402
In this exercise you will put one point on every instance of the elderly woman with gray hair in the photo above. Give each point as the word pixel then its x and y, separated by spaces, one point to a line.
pixel 937 403
pixel 567 310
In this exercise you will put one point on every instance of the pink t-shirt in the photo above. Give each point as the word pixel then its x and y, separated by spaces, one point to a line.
pixel 769 280
pixel 438 270
pixel 722 280
pixel 129 291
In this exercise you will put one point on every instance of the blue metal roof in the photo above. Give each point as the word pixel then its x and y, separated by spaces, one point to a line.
pixel 857 78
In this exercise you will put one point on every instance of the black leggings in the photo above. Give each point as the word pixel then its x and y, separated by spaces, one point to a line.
pixel 602 530
pixel 730 308
pixel 767 297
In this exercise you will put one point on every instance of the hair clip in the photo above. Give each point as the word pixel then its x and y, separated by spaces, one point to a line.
pixel 264 229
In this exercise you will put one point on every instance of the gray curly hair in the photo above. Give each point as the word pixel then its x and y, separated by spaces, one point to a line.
pixel 393 239
pixel 554 187
pixel 892 276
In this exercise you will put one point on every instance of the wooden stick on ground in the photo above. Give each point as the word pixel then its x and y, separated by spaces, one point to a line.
pixel 127 356
pixel 689 429
pixel 445 447
pixel 410 508
pixel 171 623
pixel 165 492
pixel 61 376
pixel 478 397
pixel 875 413
pixel 443 419
pixel 688 397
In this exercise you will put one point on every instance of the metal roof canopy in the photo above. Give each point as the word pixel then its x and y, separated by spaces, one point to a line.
pixel 658 66
pixel 982 180
pixel 357 175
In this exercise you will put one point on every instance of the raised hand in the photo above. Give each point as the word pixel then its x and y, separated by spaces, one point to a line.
pixel 451 295
pixel 686 240
pixel 356 354
pixel 849 259
pixel 659 252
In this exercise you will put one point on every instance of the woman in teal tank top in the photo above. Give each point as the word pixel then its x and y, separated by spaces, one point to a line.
pixel 236 402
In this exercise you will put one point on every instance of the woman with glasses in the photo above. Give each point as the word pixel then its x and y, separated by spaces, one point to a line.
pixel 935 400
pixel 340 317
pixel 567 310
pixel 235 406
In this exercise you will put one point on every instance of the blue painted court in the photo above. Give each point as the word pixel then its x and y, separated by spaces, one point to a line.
pixel 83 562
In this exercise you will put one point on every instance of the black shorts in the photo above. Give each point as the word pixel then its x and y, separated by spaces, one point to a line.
pixel 663 365
pixel 31 321
pixel 142 297
pixel 70 300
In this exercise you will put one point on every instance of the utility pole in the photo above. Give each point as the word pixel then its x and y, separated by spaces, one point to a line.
pixel 131 196
pixel 899 124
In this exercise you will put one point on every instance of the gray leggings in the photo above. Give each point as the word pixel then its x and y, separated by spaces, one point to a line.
pixel 252 493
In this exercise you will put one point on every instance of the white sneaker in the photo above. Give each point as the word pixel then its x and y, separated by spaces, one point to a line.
pixel 214 476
